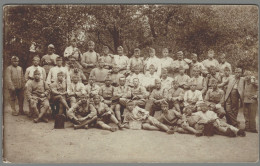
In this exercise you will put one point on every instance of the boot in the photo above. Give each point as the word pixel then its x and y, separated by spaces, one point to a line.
pixel 13 110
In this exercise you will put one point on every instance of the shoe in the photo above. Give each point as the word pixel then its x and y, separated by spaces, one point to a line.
pixel 45 120
pixel 230 133
pixel 36 120
pixel 74 121
pixel 120 126
pixel 113 129
pixel 76 127
pixel 241 133
pixel 170 132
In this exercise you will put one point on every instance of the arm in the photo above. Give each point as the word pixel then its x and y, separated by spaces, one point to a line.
pixel 53 89
pixel 8 78
pixel 26 75
pixel 43 74
pixel 83 61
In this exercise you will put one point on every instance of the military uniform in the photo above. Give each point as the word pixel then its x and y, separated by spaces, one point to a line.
pixel 175 98
pixel 89 61
pixel 215 100
pixel 75 91
pixel 192 97
pixel 52 76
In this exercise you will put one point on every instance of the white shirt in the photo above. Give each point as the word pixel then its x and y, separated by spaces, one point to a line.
pixel 71 51
pixel 30 70
pixel 192 96
pixel 156 62
pixel 52 76
pixel 121 61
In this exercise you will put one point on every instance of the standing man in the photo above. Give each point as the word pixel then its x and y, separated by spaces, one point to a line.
pixel 73 51
pixel 152 60
pixel 49 60
pixel 108 58
pixel 234 92
pixel 121 60
pixel 196 64
pixel 180 62
pixel 207 63
pixel 223 64
pixel 30 70
pixel 15 84
pixel 89 59
pixel 136 60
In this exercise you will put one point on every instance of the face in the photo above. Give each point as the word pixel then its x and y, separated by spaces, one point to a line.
pixel 130 107
pixel 180 56
pixel 50 51
pixel 120 51
pixel 96 100
pixel 196 72
pixel 213 71
pixel 101 64
pixel 158 84
pixel 36 62
pixel 210 55
pixel 175 85
pixel 194 58
pixel 164 108
pixel 152 53
pixel 238 74
pixel 151 70
pixel 105 51
pixel 74 44
pixel 60 78
pixel 193 87
pixel 214 84
pixel 203 109
pixel 187 111
pixel 181 71
pixel 108 82
pixel 75 79
pixel 115 69
pixel 72 61
pixel 164 75
pixel 227 72
pixel 136 71
pixel 137 54
pixel 165 52
pixel 37 76
pixel 136 82
pixel 122 81
pixel 59 62
pixel 222 59
pixel 15 63
pixel 91 81
pixel 91 46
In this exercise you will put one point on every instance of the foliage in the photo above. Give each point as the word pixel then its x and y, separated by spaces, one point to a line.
pixel 228 29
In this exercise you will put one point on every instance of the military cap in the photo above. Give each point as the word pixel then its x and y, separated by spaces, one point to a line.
pixel 201 104
pixel 36 57
pixel 51 46
pixel 60 73
pixel 181 68
pixel 14 58
pixel 120 47
pixel 174 81
pixel 136 50
pixel 223 55
pixel 59 58
pixel 211 51
pixel 193 54
pixel 196 68
pixel 213 80
pixel 179 53
pixel 157 80
pixel 100 60
pixel 164 71
pixel 151 49
pixel 238 70
pixel 96 96
pixel 92 77
pixel 105 47
pixel 227 68
pixel 90 42
pixel 151 66
pixel 36 72
pixel 192 82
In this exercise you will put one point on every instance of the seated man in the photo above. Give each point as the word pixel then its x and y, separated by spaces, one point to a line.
pixel 157 96
pixel 104 114
pixel 80 114
pixel 115 75
pixel 135 74
pixel 75 90
pixel 106 92
pixel 220 127
pixel 192 96
pixel 38 93
pixel 59 92
pixel 137 94
pixel 213 74
pixel 166 81
pixel 92 88
pixel 168 117
pixel 148 80
pixel 175 96
pixel 137 114
pixel 200 81
pixel 119 92
pixel 215 98
pixel 182 78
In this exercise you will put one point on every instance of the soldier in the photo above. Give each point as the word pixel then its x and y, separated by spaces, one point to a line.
pixel 75 90
pixel 52 76
pixel 106 92
pixel 30 70
pixel 80 114
pixel 215 99
pixel 213 74
pixel 136 60
pixel 135 74
pixel 115 75
pixel 135 113
pixel 148 81
pixel 175 96
pixel 49 60
pixel 182 78
pixel 137 94
pixel 167 62
pixel 227 74
pixel 180 62
pixel 59 92
pixel 157 96
pixel 207 63
pixel 73 51
pixel 38 93
pixel 200 81
pixel 234 92
pixel 119 92
pixel 100 72
pixel 196 64
pixel 92 88
pixel 104 114
pixel 152 60
pixel 192 97
pixel 89 59
pixel 15 85
pixel 108 58
pixel 121 60
pixel 223 64
pixel 250 98
pixel 166 80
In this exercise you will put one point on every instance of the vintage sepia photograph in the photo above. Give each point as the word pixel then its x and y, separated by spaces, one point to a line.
pixel 139 83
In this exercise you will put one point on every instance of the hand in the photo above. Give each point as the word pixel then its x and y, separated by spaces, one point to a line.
pixel 42 95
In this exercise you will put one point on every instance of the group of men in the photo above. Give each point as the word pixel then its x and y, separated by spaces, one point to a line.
pixel 91 89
